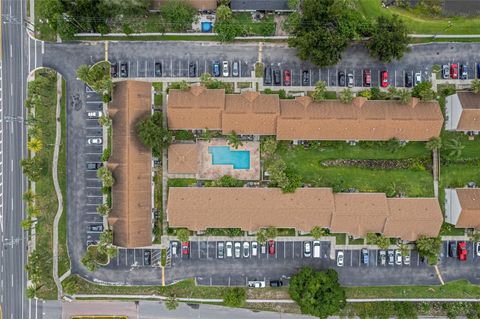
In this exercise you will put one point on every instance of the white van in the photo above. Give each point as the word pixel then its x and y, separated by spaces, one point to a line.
pixel 316 249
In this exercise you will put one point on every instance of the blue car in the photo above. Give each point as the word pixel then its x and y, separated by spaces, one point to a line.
pixel 216 69
pixel 365 255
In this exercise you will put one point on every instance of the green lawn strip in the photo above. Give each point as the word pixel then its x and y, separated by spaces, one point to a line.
pixel 471 150
pixel 431 39
pixel 157 179
pixel 419 24
pixel 46 196
pixel 181 182
pixel 158 86
pixel 357 241
pixel 63 258
pixel 151 38
pixel 265 27
pixel 158 99
pixel 341 238
pixel 454 289
pixel 43 31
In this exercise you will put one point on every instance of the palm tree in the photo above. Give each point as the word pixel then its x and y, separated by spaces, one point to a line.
pixel 105 121
pixel 403 248
pixel 234 141
pixel 33 211
pixel 83 73
pixel 476 86
pixel 455 148
pixel 434 143
pixel 404 96
pixel 207 135
pixel 29 196
pixel 346 96
pixel 35 145
pixel 103 209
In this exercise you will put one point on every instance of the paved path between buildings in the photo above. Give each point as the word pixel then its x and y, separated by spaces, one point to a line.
pixel 58 139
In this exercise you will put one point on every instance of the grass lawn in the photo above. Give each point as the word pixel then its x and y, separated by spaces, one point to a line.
pixel 471 150
pixel 157 197
pixel 181 182
pixel 419 24
pixel 154 38
pixel 42 29
pixel 158 99
pixel 264 27
pixel 341 238
pixel 157 86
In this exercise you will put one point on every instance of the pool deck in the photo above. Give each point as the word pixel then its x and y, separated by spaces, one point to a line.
pixel 208 171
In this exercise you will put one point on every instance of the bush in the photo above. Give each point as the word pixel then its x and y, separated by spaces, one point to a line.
pixel 178 14
pixel 226 181
pixel 234 297
pixel 183 234
pixel 153 135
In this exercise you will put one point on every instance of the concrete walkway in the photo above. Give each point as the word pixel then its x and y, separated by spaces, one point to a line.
pixel 58 140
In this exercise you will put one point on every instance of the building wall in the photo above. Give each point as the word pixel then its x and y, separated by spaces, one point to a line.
pixel 452 206
pixel 453 112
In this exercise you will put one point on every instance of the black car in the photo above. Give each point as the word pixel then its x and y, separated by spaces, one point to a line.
pixel 192 70
pixel 124 70
pixel 158 69
pixel 305 77
pixel 147 257
pixel 341 78
pixel 276 283
pixel 268 75
pixel 91 242
pixel 95 228
pixel 93 166
pixel 408 80
pixel 452 249
pixel 114 70
pixel 463 71
pixel 276 76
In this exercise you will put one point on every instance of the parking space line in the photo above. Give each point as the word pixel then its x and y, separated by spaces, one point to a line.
pixel 134 250
pixel 207 249
pixel 198 248
pixel 171 68
pixel 293 249
pixel 146 68
pixel 118 257
pixel 126 257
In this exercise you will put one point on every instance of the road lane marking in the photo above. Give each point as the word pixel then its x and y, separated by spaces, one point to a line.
pixel 11 51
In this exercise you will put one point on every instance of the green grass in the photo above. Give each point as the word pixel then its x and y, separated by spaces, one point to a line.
pixel 286 232
pixel 341 238
pixel 158 228
pixel 331 95
pixel 454 289
pixel 158 99
pixel 181 182
pixel 357 241
pixel 471 150
pixel 420 24
pixel 158 86
pixel 265 27
pixel 42 29
pixel 153 38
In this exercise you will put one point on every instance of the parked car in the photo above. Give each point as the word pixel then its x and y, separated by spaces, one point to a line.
pixel 463 71
pixel 254 249
pixel 271 247
pixel 237 249
pixel 229 248
pixel 341 78
pixel 287 79
pixel 391 257
pixel 364 255
pixel 384 77
pixel 95 227
pixel 418 78
pixel 382 257
pixel 462 251
pixel 477 249
pixel 186 248
pixel 307 249
pixel 398 257
pixel 276 77
pixel 305 77
pixel 367 77
pixel 406 260
pixel 220 249
pixel 478 71
pixel 316 249
pixel 408 80
pixel 452 249
pixel 454 71
pixel 225 68
pixel 263 248
pixel 340 259
pixel 91 242
pixel 124 70
pixel 95 141
pixel 94 114
pixel 256 284
pixel 235 69
pixel 174 248
pixel 350 80
pixel 158 69
pixel 147 257
pixel 276 283
pixel 114 70
pixel 93 166
pixel 267 78
pixel 246 249
pixel 445 71
pixel 216 69
pixel 192 70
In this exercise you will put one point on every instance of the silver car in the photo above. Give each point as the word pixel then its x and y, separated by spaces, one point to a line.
pixel 220 249
pixel 237 249
pixel 246 249
pixel 225 70
pixel 340 259
pixel 445 71
pixel 235 69
pixel 254 248
pixel 94 141
pixel 350 80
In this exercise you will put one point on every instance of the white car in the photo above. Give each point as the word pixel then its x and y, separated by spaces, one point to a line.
pixel 94 114
pixel 225 70
pixel 174 248
pixel 246 249
pixel 418 78
pixel 350 80
pixel 228 248
pixel 254 248
pixel 406 260
pixel 94 141
pixel 340 258
pixel 398 257
pixel 256 284
pixel 237 249
pixel 477 248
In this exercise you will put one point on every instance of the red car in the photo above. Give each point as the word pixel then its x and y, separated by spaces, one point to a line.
pixel 286 78
pixel 384 79
pixel 454 71
pixel 462 251
pixel 271 247
pixel 367 77
pixel 185 248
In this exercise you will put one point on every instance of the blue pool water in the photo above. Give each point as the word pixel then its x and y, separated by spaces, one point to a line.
pixel 223 155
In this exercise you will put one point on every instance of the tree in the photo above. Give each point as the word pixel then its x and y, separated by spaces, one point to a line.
pixel 153 135
pixel 106 238
pixel 423 91
pixel 390 38
pixel 106 176
pixel 180 85
pixel 234 297
pixel 83 73
pixel 293 4
pixel 378 239
pixel 346 96
pixel 317 293
pixel 89 261
pixel 455 148
pixel 29 196
pixel 31 291
pixel 171 303
pixel 262 235
pixel 179 15
pixel 32 168
pixel 105 121
pixel 223 13
pixel 429 247
pixel 33 211
pixel 475 86
pixel 27 223
pixel 183 234
pixel 268 148
pixel 233 140
pixel 318 232
pixel 271 232
pixel 227 30
pixel 403 248
pixel 103 209
pixel 320 92
pixel 35 145
pixel 434 143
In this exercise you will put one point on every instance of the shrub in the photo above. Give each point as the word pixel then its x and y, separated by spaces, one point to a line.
pixel 234 297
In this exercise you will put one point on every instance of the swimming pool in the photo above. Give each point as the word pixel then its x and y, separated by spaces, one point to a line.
pixel 223 155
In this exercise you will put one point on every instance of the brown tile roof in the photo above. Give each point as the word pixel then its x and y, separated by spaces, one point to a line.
pixel 359 213
pixel 412 217
pixel 198 208
pixel 182 158
pixel 469 199
pixel 304 119
pixel 197 4
pixel 250 113
pixel 130 163
pixel 470 118
pixel 196 108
